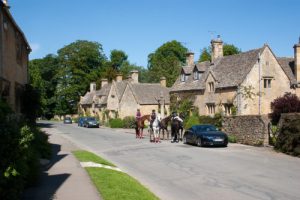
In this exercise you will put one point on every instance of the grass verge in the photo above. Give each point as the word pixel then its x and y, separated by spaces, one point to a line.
pixel 113 185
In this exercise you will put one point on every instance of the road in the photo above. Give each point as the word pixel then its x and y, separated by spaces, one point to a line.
pixel 178 171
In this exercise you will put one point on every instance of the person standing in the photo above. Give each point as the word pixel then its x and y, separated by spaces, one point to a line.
pixel 138 116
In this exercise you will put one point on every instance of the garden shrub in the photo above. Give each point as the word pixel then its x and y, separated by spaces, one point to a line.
pixel 289 103
pixel 192 120
pixel 116 123
pixel 232 139
pixel 129 122
pixel 21 146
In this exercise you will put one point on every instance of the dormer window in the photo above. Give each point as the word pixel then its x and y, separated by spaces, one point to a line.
pixel 182 77
pixel 196 75
pixel 211 87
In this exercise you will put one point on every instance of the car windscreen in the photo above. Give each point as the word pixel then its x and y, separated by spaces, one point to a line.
pixel 91 119
pixel 205 128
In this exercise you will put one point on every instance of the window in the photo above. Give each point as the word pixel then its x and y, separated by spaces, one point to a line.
pixel 182 78
pixel 211 87
pixel 227 109
pixel 196 75
pixel 211 108
pixel 267 82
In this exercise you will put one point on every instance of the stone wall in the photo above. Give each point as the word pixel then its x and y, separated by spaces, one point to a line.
pixel 248 129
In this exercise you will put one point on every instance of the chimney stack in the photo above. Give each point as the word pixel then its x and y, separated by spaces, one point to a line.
pixel 217 48
pixel 104 81
pixel 163 81
pixel 119 77
pixel 135 76
pixel 92 87
pixel 189 58
pixel 297 61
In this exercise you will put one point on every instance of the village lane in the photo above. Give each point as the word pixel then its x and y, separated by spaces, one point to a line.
pixel 178 171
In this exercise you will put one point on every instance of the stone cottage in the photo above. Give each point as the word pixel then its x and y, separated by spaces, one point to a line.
pixel 246 83
pixel 14 51
pixel 122 98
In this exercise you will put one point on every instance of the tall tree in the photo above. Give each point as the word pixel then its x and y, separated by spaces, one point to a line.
pixel 79 63
pixel 42 77
pixel 228 49
pixel 117 58
pixel 166 61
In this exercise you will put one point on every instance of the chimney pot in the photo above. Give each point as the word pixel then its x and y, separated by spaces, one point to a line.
pixel 163 81
pixel 217 48
pixel 92 87
pixel 104 81
pixel 119 77
pixel 135 76
pixel 189 58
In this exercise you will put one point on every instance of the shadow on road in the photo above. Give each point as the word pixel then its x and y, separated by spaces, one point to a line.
pixel 46 187
pixel 44 125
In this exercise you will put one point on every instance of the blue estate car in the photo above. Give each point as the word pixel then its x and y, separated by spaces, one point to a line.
pixel 205 135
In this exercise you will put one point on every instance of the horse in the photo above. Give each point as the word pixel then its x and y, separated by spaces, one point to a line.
pixel 176 125
pixel 140 125
pixel 164 126
pixel 155 128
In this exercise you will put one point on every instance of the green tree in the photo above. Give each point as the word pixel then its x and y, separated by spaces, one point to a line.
pixel 42 74
pixel 228 49
pixel 205 55
pixel 117 58
pixel 80 63
pixel 166 61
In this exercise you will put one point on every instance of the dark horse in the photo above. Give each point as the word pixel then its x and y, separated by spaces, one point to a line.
pixel 140 125
pixel 176 125
pixel 164 126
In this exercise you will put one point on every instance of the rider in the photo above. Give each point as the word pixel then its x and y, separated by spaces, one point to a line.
pixel 138 115
pixel 152 118
pixel 175 116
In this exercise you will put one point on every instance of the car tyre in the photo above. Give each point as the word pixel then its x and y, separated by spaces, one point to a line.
pixel 199 142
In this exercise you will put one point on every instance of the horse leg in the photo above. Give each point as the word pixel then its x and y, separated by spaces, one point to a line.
pixel 136 132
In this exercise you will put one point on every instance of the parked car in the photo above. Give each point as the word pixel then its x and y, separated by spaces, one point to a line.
pixel 81 121
pixel 91 122
pixel 205 135
pixel 67 120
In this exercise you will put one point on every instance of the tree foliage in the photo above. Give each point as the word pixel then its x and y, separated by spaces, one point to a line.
pixel 228 49
pixel 288 103
pixel 79 64
pixel 42 74
pixel 166 61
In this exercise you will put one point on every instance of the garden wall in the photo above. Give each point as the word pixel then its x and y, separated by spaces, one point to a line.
pixel 248 129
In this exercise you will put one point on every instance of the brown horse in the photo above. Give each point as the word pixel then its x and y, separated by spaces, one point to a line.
pixel 164 126
pixel 140 125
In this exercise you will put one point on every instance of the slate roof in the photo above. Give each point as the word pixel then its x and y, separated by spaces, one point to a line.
pixel 288 66
pixel 229 71
pixel 149 93
pixel 120 87
pixel 100 94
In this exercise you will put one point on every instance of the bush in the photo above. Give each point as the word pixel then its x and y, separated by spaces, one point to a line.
pixel 21 146
pixel 192 120
pixel 232 139
pixel 289 103
pixel 116 123
pixel 129 122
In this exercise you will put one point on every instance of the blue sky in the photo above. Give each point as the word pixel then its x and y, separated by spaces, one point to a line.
pixel 139 27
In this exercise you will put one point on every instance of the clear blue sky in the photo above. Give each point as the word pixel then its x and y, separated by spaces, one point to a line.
pixel 138 27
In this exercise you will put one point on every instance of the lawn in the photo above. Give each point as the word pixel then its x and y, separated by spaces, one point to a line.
pixel 113 185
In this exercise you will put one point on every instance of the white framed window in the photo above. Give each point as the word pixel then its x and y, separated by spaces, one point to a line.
pixel 211 87
pixel 211 108
pixel 182 77
pixel 196 75
pixel 227 108
pixel 267 82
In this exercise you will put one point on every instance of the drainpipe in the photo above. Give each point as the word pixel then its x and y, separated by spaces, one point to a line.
pixel 259 76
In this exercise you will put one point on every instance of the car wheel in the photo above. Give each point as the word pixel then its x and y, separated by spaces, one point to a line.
pixel 184 140
pixel 199 142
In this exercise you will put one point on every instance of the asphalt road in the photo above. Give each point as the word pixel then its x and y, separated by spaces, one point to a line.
pixel 183 172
